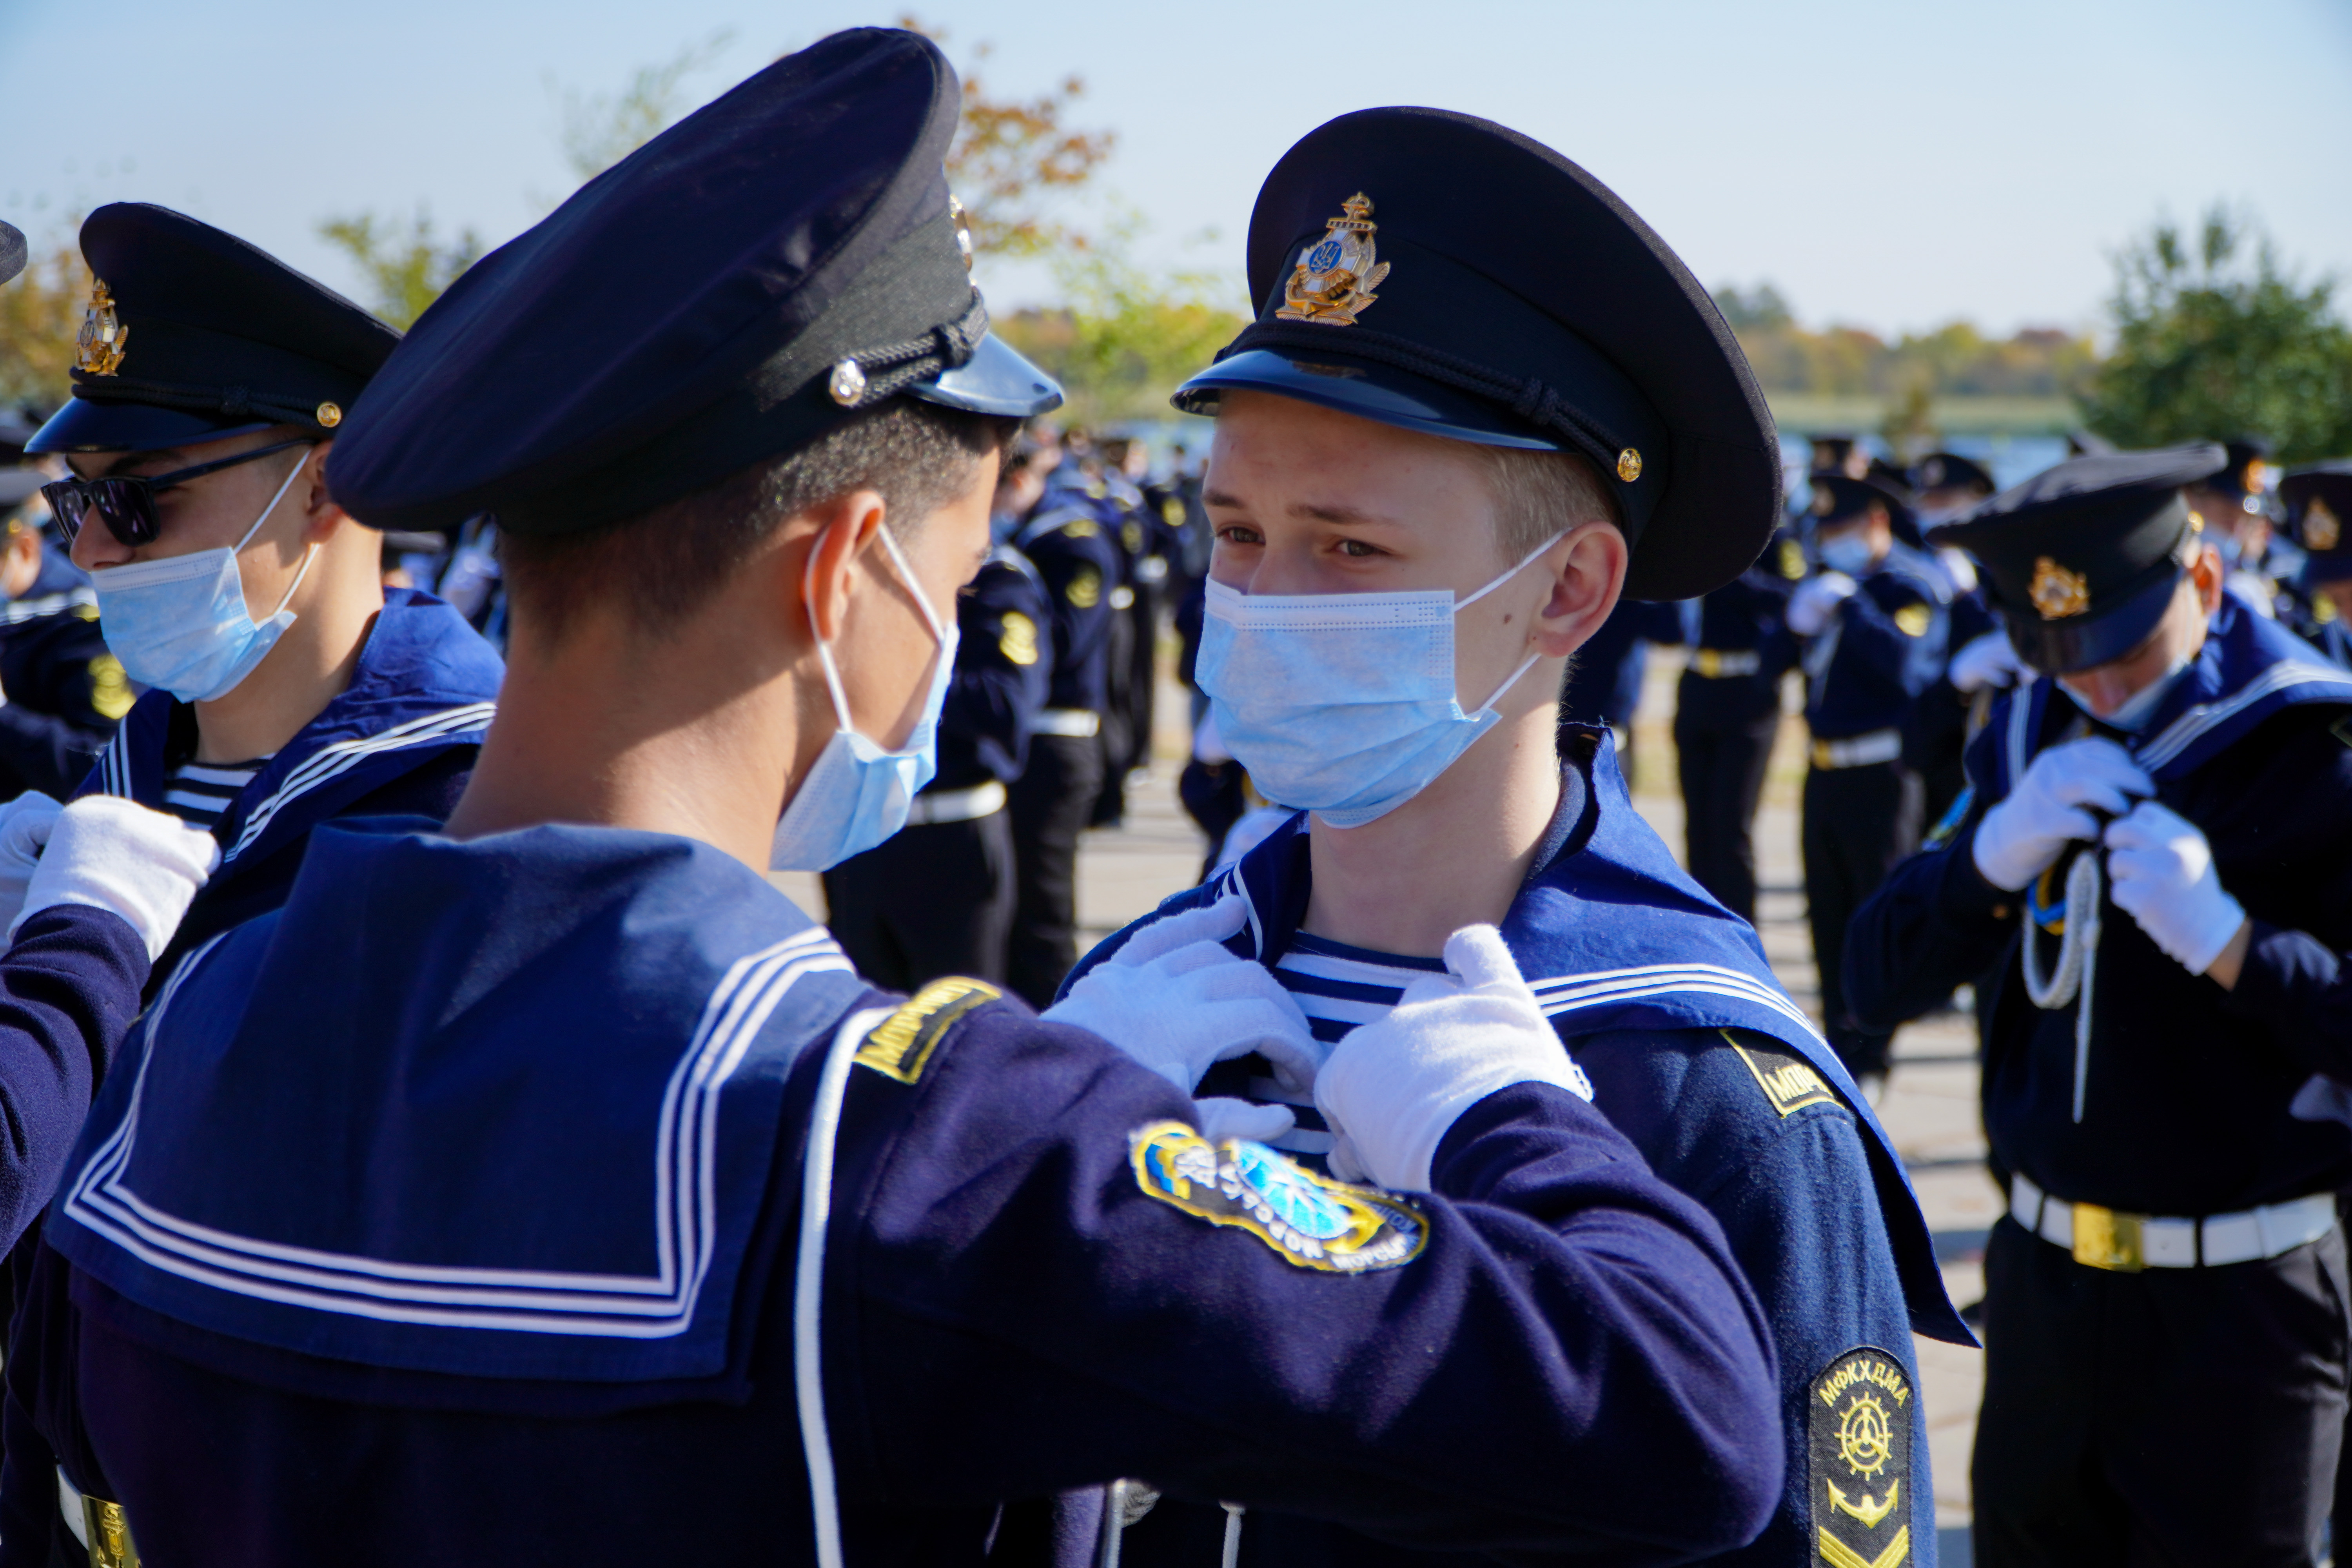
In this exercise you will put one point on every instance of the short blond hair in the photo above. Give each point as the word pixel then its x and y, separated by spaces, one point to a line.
pixel 1540 495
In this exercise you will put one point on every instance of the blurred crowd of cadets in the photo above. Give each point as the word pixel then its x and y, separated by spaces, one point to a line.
pixel 1103 549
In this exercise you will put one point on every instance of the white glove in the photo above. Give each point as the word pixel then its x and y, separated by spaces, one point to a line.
pixel 2024 835
pixel 1391 1089
pixel 24 824
pixel 1221 1118
pixel 1816 597
pixel 2161 872
pixel 1176 1001
pixel 1990 660
pixel 115 853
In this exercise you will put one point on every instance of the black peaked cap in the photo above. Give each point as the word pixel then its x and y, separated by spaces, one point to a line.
pixel 2083 558
pixel 1943 470
pixel 1516 301
pixel 193 334
pixel 2318 500
pixel 676 318
pixel 12 251
pixel 1838 496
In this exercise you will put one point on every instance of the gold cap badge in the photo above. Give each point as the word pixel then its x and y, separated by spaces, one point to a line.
pixel 329 415
pixel 2321 528
pixel 2057 593
pixel 1335 277
pixel 98 348
pixel 1629 465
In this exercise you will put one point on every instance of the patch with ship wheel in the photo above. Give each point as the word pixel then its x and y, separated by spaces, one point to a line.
pixel 1859 1429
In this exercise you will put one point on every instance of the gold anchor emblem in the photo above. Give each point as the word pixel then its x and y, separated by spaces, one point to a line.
pixel 1869 1510
pixel 1336 276
pixel 2057 593
pixel 2320 528
pixel 98 347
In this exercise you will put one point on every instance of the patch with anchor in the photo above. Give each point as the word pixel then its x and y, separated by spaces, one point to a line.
pixel 1860 1442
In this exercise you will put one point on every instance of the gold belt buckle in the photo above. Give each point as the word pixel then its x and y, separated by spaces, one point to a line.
pixel 111 1545
pixel 1709 662
pixel 1822 753
pixel 2104 1238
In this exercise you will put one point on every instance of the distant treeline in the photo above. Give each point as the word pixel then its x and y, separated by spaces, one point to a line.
pixel 1955 361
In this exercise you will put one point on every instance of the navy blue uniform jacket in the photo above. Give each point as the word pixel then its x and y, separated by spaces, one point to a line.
pixel 1700 1059
pixel 1074 548
pixel 2190 1092
pixel 64 691
pixel 1883 646
pixel 1004 659
pixel 454 1214
pixel 399 740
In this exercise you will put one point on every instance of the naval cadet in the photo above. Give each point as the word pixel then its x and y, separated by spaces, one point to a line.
pixel 2234 504
pixel 2156 866
pixel 2318 499
pixel 1936 735
pixel 284 684
pixel 1874 627
pixel 552 1190
pixel 1073 543
pixel 936 897
pixel 1439 465
pixel 61 692
pixel 1726 715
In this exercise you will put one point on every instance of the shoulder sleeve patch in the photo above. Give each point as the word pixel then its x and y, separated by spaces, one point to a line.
pixel 1788 1082
pixel 109 688
pixel 1017 638
pixel 1084 591
pixel 1792 560
pixel 1859 1429
pixel 1913 620
pixel 900 1045
pixel 1312 1221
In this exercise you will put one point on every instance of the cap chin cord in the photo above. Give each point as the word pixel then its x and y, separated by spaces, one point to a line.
pixel 2078 958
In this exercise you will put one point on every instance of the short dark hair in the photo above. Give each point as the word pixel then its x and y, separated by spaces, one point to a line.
pixel 660 566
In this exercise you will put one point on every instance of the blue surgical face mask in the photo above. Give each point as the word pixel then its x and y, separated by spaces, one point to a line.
pixel 1342 704
pixel 1849 553
pixel 181 622
pixel 857 795
pixel 2136 709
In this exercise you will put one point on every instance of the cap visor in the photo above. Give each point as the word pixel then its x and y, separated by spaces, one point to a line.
pixel 2078 642
pixel 998 379
pixel 82 426
pixel 1376 391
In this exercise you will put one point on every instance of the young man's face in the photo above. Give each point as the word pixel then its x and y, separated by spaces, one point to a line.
pixel 1307 500
pixel 2105 688
pixel 887 649
pixel 211 511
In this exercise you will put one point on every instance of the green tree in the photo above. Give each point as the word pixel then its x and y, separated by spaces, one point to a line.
pixel 2215 338
pixel 406 265
pixel 600 129
pixel 40 314
pixel 1126 334
pixel 1013 161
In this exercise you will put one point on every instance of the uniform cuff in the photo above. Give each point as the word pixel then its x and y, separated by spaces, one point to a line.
pixel 2284 977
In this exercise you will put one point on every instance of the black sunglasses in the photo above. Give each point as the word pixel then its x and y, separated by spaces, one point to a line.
pixel 126 503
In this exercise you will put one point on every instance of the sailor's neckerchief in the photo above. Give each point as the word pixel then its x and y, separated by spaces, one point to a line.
pixel 1612 935
pixel 2250 667
pixel 426 683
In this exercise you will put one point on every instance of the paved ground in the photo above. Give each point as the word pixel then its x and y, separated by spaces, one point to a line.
pixel 1931 1102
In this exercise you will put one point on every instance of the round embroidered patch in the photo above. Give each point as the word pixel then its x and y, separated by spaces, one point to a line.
pixel 1312 1221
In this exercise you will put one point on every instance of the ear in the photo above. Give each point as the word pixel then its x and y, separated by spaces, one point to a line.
pixel 2207 573
pixel 839 531
pixel 321 515
pixel 1588 576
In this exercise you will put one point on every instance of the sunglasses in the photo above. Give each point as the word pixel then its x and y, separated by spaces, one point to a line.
pixel 126 503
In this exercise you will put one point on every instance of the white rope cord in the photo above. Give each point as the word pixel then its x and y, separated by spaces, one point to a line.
pixel 2078 959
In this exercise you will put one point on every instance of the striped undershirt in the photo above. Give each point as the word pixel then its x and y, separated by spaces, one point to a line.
pixel 1338 987
pixel 200 794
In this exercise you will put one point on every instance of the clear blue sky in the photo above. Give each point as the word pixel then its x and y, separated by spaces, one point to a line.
pixel 1888 164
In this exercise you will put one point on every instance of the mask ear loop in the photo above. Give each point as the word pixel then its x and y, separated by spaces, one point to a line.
pixel 1529 663
pixel 308 556
pixel 825 652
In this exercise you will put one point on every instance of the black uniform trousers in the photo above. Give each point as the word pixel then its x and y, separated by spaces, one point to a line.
pixel 931 900
pixel 1722 770
pixel 1860 823
pixel 2181 1416
pixel 1052 804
